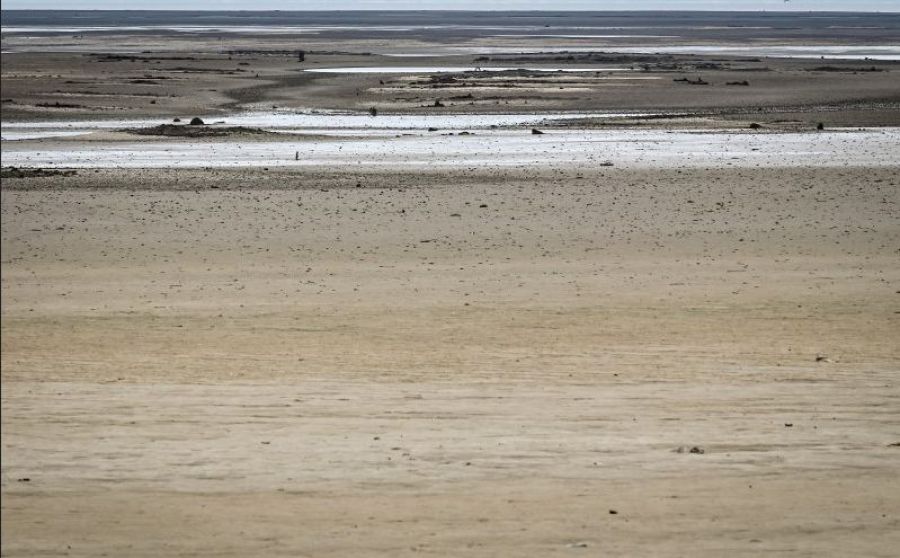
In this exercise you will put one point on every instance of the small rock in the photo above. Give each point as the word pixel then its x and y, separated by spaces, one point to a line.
pixel 536 132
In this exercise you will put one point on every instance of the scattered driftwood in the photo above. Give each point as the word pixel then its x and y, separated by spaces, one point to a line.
pixel 698 81
pixel 57 104
pixel 696 450
pixel 849 69
pixel 292 53
pixel 173 130
pixel 14 172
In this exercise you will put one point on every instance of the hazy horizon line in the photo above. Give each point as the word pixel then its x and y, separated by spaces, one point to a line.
pixel 656 10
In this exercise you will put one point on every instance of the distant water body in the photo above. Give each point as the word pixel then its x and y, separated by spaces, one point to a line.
pixel 844 27
pixel 829 35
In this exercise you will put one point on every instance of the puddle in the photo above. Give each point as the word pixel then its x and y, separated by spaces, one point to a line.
pixel 559 36
pixel 20 131
pixel 453 69
pixel 299 29
pixel 291 29
pixel 489 149
pixel 223 29
pixel 39 134
pixel 342 120
pixel 421 54
pixel 324 123
pixel 872 52
pixel 883 52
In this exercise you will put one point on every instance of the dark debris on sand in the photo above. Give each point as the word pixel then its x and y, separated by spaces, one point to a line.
pixel 173 130
pixel 14 172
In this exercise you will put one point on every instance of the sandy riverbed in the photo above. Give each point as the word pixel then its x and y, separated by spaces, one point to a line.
pixel 407 342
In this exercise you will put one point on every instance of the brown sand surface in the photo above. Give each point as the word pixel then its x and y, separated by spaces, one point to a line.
pixel 446 363
pixel 494 360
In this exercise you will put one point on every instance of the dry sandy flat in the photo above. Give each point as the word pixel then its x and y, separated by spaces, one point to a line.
pixel 407 343
pixel 443 363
